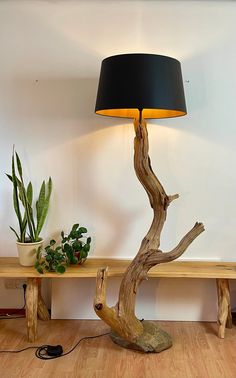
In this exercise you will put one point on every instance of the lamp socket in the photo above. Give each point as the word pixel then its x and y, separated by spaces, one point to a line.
pixel 14 283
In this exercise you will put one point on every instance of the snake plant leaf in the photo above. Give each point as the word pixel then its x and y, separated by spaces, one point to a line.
pixel 19 166
pixel 26 197
pixel 41 201
pixel 45 206
pixel 17 236
pixel 29 198
pixel 15 197
pixel 20 190
pixel 28 210
pixel 9 176
pixel 23 197
pixel 29 193
pixel 24 225
pixel 17 205
pixel 39 252
pixel 28 215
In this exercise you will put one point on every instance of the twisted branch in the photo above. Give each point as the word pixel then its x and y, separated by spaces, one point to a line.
pixel 122 317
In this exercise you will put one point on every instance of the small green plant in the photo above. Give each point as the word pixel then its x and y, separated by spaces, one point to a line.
pixel 75 244
pixel 74 249
pixel 30 224
pixel 52 259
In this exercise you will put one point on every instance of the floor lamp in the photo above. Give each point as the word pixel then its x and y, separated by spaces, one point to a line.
pixel 141 86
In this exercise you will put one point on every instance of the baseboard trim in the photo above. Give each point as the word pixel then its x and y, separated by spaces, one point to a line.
pixel 12 311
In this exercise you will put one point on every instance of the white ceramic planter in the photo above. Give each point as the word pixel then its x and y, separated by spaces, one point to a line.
pixel 27 252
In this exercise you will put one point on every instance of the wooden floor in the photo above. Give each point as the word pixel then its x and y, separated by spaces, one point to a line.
pixel 196 352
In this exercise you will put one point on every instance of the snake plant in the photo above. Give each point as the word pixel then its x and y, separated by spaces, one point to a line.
pixel 30 220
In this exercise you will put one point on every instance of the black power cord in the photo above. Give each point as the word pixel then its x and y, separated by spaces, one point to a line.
pixel 50 352
pixel 44 352
pixel 11 316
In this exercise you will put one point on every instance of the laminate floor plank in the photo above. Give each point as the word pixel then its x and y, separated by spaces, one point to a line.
pixel 197 352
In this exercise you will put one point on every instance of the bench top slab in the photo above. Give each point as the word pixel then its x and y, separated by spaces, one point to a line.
pixel 10 267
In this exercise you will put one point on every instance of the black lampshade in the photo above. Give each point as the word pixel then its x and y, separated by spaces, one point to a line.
pixel 132 82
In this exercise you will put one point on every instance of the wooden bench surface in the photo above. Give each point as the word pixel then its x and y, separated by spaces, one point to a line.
pixel 221 271
pixel 10 267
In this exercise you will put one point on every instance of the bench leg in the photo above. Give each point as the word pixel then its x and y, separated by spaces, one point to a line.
pixel 224 307
pixel 32 308
pixel 43 313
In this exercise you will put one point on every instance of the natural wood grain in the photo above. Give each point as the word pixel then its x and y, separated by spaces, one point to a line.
pixel 42 310
pixel 121 317
pixel 196 352
pixel 224 307
pixel 10 267
pixel 31 308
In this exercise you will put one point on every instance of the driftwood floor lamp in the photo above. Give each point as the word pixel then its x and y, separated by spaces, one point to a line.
pixel 141 86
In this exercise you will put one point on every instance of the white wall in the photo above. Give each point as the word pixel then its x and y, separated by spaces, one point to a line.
pixel 50 61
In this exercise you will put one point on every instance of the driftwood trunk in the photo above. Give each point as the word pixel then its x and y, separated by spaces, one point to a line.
pixel 121 318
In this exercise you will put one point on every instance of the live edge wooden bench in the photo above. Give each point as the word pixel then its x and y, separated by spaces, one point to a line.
pixel 222 272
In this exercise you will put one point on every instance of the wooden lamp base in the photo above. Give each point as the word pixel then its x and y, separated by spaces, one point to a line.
pixel 129 331
pixel 153 339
